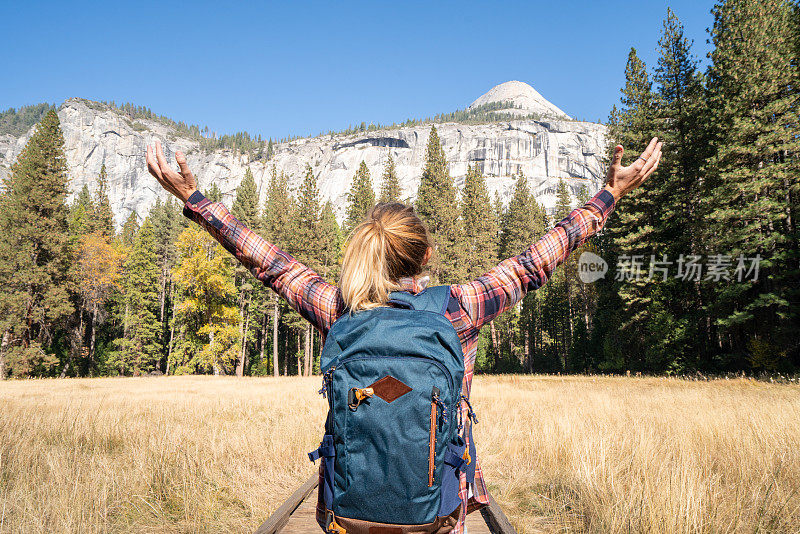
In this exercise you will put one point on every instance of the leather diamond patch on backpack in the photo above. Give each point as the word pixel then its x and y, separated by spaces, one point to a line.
pixel 389 388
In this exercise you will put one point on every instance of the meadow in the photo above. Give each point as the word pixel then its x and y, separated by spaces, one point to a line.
pixel 560 454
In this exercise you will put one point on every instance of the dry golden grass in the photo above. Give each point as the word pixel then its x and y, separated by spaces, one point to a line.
pixel 199 454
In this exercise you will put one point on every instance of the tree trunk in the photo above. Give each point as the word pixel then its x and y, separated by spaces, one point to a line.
pixel 125 323
pixel 3 346
pixel 162 314
pixel 263 343
pixel 528 362
pixel 163 297
pixel 309 350
pixel 64 371
pixel 286 354
pixel 305 351
pixel 80 337
pixel 245 324
pixel 169 349
pixel 211 344
pixel 299 363
pixel 275 340
pixel 570 312
pixel 92 339
pixel 511 332
pixel 171 328
pixel 495 346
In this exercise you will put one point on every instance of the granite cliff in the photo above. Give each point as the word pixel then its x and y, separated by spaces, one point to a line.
pixel 545 149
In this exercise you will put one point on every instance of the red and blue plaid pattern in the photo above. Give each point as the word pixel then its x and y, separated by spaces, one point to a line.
pixel 472 305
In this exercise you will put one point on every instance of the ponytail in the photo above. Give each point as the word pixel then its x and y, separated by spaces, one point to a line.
pixel 388 245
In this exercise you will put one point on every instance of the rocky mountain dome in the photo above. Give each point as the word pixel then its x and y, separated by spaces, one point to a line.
pixel 526 99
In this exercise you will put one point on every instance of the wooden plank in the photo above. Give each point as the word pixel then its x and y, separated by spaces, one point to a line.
pixel 281 516
pixel 304 519
pixel 298 516
pixel 476 524
pixel 496 519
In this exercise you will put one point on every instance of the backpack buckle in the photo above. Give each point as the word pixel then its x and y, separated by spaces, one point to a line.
pixel 331 526
pixel 358 395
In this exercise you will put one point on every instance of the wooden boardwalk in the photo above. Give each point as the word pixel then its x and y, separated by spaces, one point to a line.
pixel 297 515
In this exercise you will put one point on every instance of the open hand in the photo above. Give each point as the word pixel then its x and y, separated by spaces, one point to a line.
pixel 622 180
pixel 181 184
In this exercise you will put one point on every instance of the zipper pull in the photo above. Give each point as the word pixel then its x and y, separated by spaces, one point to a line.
pixel 325 379
pixel 470 411
pixel 435 398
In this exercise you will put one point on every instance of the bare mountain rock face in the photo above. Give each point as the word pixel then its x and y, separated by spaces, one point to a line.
pixel 550 148
pixel 525 98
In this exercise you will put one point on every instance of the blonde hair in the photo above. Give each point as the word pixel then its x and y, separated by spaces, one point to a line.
pixel 388 245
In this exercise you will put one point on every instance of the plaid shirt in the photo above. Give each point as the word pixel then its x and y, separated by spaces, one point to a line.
pixel 472 305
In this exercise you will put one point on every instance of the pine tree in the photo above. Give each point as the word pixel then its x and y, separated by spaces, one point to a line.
pixel 81 216
pixel 306 221
pixel 437 206
pixel 103 214
pixel 139 350
pixel 167 226
pixel 245 209
pixel 521 224
pixel 480 224
pixel 129 229
pixel 278 222
pixel 35 253
pixel 277 215
pixel 213 193
pixel 390 185
pixel 582 352
pixel 329 250
pixel 753 183
pixel 498 210
pixel 360 198
pixel 523 220
pixel 306 229
pixel 562 288
pixel 245 205
pixel 330 244
pixel 677 330
pixel 630 227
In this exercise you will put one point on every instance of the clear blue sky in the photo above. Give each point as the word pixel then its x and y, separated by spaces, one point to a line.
pixel 304 67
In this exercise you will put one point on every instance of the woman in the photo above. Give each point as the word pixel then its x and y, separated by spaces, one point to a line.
pixel 388 251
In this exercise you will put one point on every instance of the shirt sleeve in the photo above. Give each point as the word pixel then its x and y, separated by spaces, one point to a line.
pixel 316 300
pixel 506 284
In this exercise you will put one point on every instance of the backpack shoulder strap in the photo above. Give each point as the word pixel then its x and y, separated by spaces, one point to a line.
pixel 433 299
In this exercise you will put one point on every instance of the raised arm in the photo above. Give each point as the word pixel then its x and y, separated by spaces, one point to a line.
pixel 506 284
pixel 316 300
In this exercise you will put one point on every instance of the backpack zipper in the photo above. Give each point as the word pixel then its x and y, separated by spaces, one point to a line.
pixel 427 359
pixel 436 403
pixel 432 436
pixel 326 378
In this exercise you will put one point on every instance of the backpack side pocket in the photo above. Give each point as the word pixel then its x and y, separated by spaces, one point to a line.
pixel 451 471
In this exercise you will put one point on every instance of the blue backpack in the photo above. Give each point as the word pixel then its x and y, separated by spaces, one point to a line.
pixel 391 449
